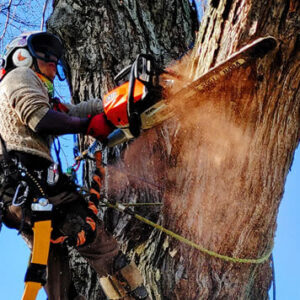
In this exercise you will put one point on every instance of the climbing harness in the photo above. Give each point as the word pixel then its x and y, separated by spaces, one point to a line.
pixel 40 216
pixel 27 188
pixel 41 209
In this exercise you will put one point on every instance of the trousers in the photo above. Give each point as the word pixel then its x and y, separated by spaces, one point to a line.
pixel 68 217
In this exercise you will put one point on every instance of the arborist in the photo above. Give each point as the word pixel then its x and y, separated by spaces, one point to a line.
pixel 33 188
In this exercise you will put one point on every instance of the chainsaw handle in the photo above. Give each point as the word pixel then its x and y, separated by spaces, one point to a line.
pixel 123 73
pixel 147 68
pixel 134 119
pixel 145 75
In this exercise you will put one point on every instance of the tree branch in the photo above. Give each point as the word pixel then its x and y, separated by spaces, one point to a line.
pixel 43 16
pixel 7 19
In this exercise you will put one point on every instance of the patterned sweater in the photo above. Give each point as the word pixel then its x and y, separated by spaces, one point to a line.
pixel 24 102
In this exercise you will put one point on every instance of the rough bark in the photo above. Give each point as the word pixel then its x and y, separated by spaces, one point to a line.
pixel 219 170
pixel 102 37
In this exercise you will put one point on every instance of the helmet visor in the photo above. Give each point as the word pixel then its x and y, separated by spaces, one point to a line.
pixel 61 70
pixel 46 43
pixel 48 47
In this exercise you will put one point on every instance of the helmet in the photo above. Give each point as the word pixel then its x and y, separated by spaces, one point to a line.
pixel 23 51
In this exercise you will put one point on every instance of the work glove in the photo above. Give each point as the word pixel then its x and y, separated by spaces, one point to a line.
pixel 99 127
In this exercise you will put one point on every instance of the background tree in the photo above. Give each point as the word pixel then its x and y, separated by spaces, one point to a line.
pixel 20 15
pixel 220 168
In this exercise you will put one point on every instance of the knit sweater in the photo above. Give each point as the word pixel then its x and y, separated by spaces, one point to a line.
pixel 24 101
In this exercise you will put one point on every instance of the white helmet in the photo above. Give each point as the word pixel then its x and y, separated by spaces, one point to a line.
pixel 23 50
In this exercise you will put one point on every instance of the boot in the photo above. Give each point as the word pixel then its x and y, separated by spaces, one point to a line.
pixel 125 283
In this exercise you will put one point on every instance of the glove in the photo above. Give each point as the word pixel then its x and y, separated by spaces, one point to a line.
pixel 99 127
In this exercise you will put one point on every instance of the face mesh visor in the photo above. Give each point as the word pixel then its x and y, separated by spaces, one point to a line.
pixel 48 47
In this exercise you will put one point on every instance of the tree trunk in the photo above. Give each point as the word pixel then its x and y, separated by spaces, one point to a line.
pixel 220 167
pixel 101 38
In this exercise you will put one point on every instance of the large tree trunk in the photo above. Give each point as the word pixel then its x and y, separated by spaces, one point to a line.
pixel 220 169
pixel 101 38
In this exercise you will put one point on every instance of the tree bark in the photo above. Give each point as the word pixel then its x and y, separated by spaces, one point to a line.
pixel 101 38
pixel 220 167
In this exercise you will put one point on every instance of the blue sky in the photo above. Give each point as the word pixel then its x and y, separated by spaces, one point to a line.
pixel 287 240
pixel 14 252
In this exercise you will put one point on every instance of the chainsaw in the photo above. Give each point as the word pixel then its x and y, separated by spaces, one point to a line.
pixel 135 104
pixel 138 104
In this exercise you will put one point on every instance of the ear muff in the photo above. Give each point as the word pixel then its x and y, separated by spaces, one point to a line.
pixel 22 58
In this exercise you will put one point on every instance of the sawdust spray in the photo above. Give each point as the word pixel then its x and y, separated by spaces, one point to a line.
pixel 187 155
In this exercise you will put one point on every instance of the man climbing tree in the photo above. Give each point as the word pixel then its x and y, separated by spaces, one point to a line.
pixel 34 194
pixel 220 168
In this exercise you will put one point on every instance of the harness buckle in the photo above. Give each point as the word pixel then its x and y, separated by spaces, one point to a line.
pixel 42 204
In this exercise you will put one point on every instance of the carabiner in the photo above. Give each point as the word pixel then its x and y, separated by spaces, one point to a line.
pixel 20 200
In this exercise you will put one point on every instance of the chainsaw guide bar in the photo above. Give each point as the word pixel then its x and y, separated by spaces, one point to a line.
pixel 139 103
pixel 246 55
pixel 163 110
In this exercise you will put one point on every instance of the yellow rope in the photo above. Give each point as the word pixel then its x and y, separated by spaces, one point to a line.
pixel 122 207
pixel 204 250
pixel 182 239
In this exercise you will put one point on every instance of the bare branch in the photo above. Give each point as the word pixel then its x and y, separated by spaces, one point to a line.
pixel 43 16
pixel 17 19
pixel 7 19
pixel 3 6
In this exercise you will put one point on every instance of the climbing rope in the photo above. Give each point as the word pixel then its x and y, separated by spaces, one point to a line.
pixel 125 208
pixel 182 239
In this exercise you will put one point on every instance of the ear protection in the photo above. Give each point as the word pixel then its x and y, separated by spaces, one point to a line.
pixel 22 58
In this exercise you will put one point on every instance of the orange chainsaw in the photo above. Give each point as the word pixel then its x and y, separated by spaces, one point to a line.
pixel 137 104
